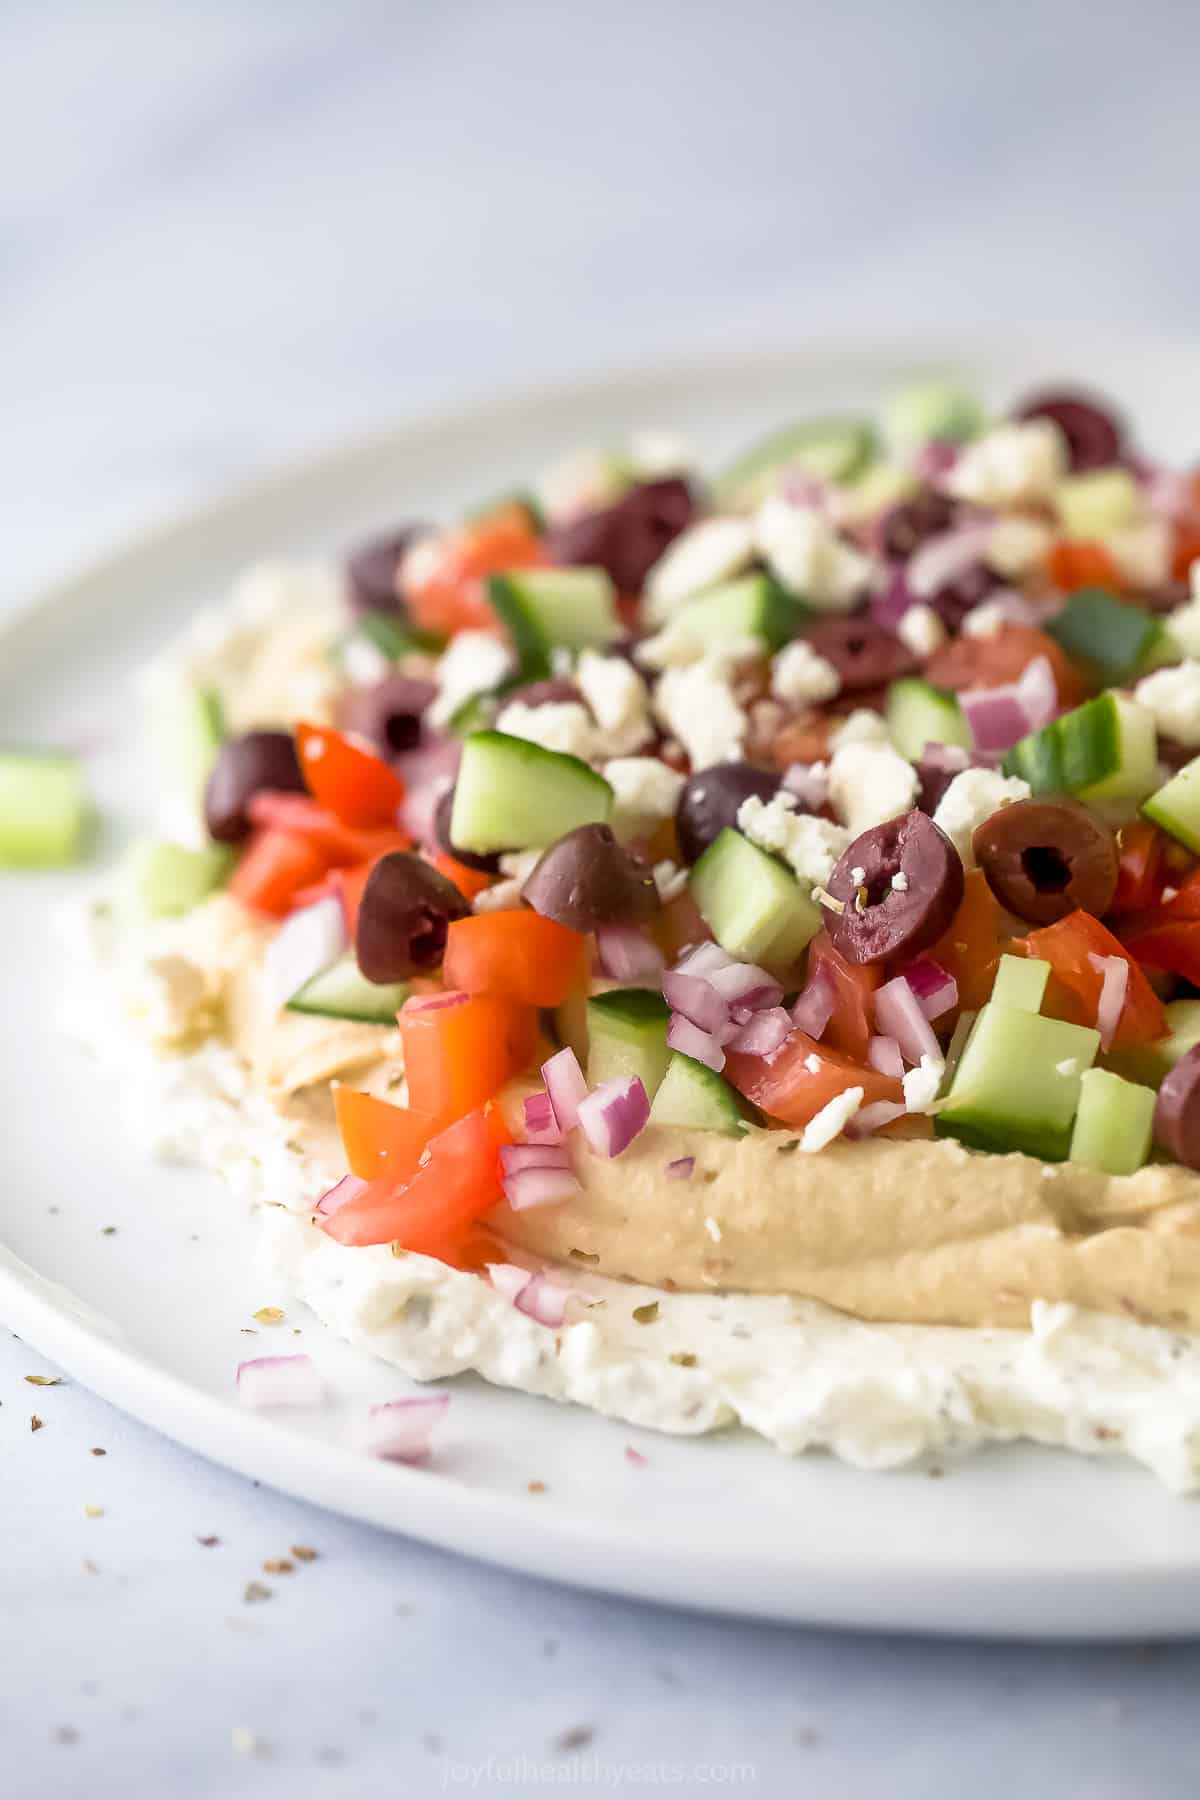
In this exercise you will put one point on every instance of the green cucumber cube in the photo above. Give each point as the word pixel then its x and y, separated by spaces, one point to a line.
pixel 920 714
pixel 43 808
pixel 627 1035
pixel 753 904
pixel 343 992
pixel 1105 749
pixel 187 724
pixel 544 608
pixel 1017 1084
pixel 695 1097
pixel 1113 1124
pixel 169 879
pixel 1176 806
pixel 1150 1062
pixel 1097 501
pixel 831 449
pixel 1021 982
pixel 930 410
pixel 753 607
pixel 514 795
pixel 1117 640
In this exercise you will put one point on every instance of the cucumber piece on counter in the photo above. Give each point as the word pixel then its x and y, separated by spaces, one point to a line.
pixel 1021 982
pixel 514 795
pixel 43 806
pixel 929 411
pixel 1176 806
pixel 343 992
pixel 753 607
pixel 169 879
pixel 1150 1062
pixel 753 904
pixel 627 1035
pixel 1114 639
pixel 187 724
pixel 542 608
pixel 1113 1124
pixel 697 1098
pixel 918 714
pixel 1096 502
pixel 831 449
pixel 1017 1084
pixel 1105 749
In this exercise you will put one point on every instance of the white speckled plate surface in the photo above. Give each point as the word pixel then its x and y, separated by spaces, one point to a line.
pixel 151 1314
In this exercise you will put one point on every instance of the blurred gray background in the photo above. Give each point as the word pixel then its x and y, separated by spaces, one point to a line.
pixel 234 230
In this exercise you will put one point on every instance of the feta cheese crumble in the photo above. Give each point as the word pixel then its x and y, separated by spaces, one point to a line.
pixel 921 1085
pixel 800 676
pixel 475 662
pixel 831 1121
pixel 1183 624
pixel 862 726
pixel 1173 696
pixel 706 553
pixel 810 846
pixel 698 706
pixel 971 798
pixel 869 783
pixel 1016 544
pixel 619 703
pixel 1142 552
pixel 563 725
pixel 645 792
pixel 920 630
pixel 803 551
pixel 1011 465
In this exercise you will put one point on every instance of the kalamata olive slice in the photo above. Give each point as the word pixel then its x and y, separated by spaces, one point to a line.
pixel 1044 859
pixel 862 652
pixel 245 766
pixel 628 537
pixel 900 885
pixel 388 712
pixel 470 859
pixel 372 569
pixel 1093 435
pixel 904 528
pixel 405 913
pixel 1177 1111
pixel 709 801
pixel 587 879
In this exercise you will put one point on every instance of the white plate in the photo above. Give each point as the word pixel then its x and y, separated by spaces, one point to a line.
pixel 1015 1541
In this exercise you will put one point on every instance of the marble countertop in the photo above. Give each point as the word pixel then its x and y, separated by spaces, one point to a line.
pixel 231 233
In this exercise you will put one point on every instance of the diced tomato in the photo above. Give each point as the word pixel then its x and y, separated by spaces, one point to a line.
pixel 1161 942
pixel 802 740
pixel 379 1138
pixel 1184 901
pixel 802 1076
pixel 454 1184
pixel 1073 992
pixel 852 1022
pixel 1141 870
pixel 469 882
pixel 345 885
pixel 988 662
pixel 274 867
pixel 1077 563
pixel 970 948
pixel 1185 550
pixel 460 1049
pixel 518 955
pixel 341 844
pixel 678 924
pixel 454 596
pixel 357 787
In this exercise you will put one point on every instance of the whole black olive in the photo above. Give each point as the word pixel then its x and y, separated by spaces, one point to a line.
pixel 586 879
pixel 1044 859
pixel 251 764
pixel 372 571
pixel 709 801
pixel 1093 435
pixel 406 911
pixel 899 885
pixel 470 859
pixel 628 537
pixel 1177 1111
pixel 388 713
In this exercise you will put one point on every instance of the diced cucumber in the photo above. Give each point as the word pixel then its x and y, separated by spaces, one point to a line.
pixel 1103 750
pixel 1021 982
pixel 392 637
pixel 542 608
pixel 475 714
pixel 1176 806
pixel 187 724
pixel 1017 1084
pixel 514 795
pixel 569 1022
pixel 1116 640
pixel 343 992
pixel 168 879
pixel 960 1037
pixel 43 806
pixel 696 1097
pixel 1097 501
pixel 1150 1062
pixel 831 449
pixel 926 411
pixel 920 714
pixel 753 607
pixel 627 1035
pixel 1113 1124
pixel 752 904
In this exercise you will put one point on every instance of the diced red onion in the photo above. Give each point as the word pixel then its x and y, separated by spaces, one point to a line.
pixel 765 1032
pixel 809 782
pixel 871 1118
pixel 943 558
pixel 348 1188
pixel 543 1300
pixel 613 1113
pixel 426 772
pixel 536 1175
pixel 935 987
pixel 883 1053
pixel 814 1007
pixel 681 1169
pixel 702 959
pixel 636 1458
pixel 307 942
pixel 508 1280
pixel 1039 692
pixel 747 985
pixel 999 716
pixel 627 954
pixel 800 488
pixel 534 1156
pixel 889 606
pixel 682 1035
pixel 566 1087
pixel 898 1014
pixel 433 1002
pixel 935 459
pixel 269 1381
pixel 400 1430
pixel 1168 491
pixel 541 1126
pixel 696 999
pixel 1113 988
